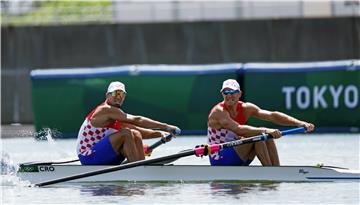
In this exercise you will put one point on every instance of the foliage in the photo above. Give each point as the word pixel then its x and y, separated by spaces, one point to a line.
pixel 61 12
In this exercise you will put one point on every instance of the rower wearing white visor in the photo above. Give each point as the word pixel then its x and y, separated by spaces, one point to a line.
pixel 227 122
pixel 108 135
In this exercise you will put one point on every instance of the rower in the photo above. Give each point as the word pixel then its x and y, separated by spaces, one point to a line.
pixel 108 135
pixel 227 122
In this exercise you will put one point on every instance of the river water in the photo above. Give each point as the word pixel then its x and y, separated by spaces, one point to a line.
pixel 329 149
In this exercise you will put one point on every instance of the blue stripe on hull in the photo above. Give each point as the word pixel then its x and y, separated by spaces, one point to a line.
pixel 352 178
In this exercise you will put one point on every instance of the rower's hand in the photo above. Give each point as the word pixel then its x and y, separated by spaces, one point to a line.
pixel 308 126
pixel 173 130
pixel 275 133
pixel 239 137
pixel 164 135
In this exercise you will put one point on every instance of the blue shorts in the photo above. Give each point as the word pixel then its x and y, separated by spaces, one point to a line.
pixel 104 154
pixel 229 158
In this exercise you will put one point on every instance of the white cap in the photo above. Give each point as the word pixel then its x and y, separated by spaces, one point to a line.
pixel 116 86
pixel 230 83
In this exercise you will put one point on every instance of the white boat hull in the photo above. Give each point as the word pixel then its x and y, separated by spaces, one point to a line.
pixel 42 173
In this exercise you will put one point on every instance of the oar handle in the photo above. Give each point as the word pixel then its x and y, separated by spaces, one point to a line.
pixel 177 131
pixel 160 142
pixel 265 136
pixel 164 140
pixel 293 131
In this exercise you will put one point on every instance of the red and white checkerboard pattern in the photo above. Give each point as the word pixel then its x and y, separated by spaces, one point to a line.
pixel 218 137
pixel 88 136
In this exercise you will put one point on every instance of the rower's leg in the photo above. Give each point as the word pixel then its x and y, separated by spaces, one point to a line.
pixel 262 153
pixel 138 143
pixel 246 151
pixel 274 157
pixel 123 142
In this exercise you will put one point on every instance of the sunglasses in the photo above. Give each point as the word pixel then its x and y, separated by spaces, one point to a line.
pixel 118 93
pixel 231 92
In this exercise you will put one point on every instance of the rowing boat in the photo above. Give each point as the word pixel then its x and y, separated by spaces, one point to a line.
pixel 194 173
pixel 160 169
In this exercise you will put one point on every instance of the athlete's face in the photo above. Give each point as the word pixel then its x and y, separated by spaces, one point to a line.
pixel 116 98
pixel 231 97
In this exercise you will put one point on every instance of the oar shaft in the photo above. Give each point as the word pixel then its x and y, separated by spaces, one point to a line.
pixel 118 167
pixel 160 142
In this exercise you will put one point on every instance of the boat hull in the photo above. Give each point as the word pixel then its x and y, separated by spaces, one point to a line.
pixel 42 173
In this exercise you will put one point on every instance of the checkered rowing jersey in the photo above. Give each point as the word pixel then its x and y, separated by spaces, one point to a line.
pixel 89 135
pixel 223 135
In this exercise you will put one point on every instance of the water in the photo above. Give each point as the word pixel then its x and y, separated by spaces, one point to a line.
pixel 337 150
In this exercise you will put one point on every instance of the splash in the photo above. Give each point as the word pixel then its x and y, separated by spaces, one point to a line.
pixel 8 172
pixel 13 180
pixel 50 135
pixel 47 134
pixel 7 165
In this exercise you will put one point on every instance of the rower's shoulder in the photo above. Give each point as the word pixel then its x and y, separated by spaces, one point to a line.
pixel 218 108
pixel 248 104
pixel 218 112
pixel 105 109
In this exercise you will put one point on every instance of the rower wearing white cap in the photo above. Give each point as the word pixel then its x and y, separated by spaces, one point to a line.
pixel 108 135
pixel 227 122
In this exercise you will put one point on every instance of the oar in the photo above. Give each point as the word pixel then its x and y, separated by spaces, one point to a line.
pixel 245 141
pixel 149 149
pixel 198 151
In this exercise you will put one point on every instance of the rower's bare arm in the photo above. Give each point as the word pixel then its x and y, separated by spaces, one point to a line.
pixel 137 120
pixel 277 117
pixel 143 122
pixel 146 133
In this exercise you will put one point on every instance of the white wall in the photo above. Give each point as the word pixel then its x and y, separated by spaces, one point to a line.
pixel 197 10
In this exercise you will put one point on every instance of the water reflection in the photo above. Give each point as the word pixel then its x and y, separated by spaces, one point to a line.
pixel 118 189
pixel 236 189
pixel 232 189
